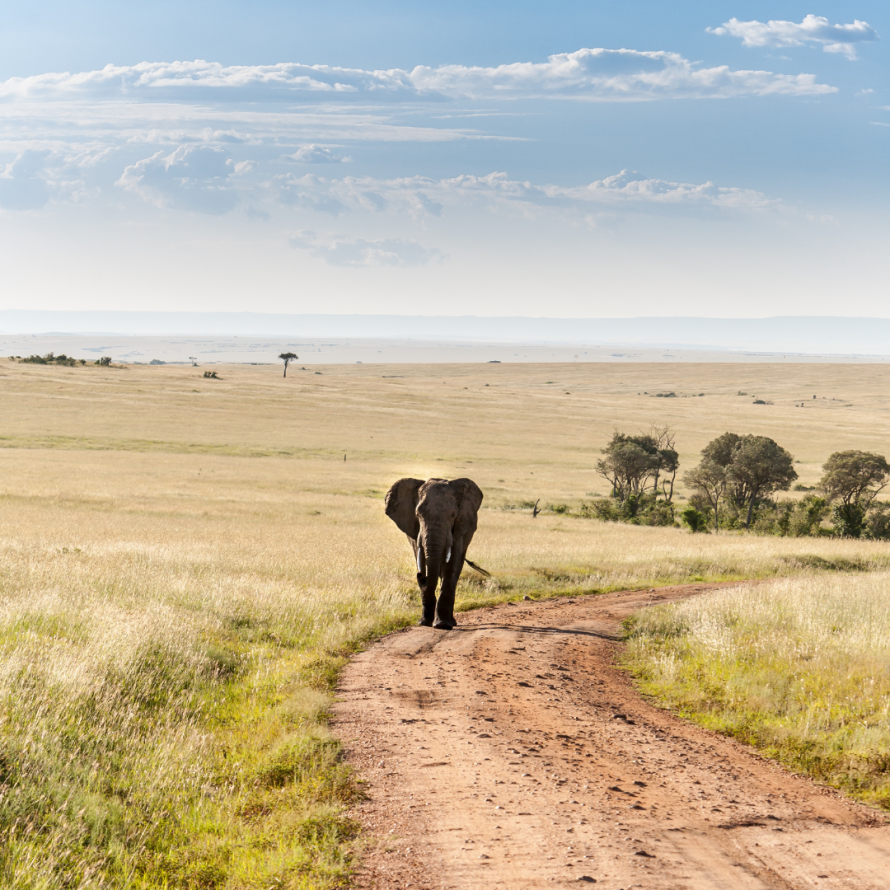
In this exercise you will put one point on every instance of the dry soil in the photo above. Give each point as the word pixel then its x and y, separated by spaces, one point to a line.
pixel 511 752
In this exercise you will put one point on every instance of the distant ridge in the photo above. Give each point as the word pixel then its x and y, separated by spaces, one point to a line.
pixel 793 334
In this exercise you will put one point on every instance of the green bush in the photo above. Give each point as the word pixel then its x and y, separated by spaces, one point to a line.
pixel 877 522
pixel 52 359
pixel 605 509
pixel 695 519
pixel 638 509
pixel 806 517
pixel 849 520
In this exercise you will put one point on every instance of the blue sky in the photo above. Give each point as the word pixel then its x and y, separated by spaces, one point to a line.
pixel 567 159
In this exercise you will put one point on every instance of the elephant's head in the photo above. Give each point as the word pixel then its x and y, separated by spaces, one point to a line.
pixel 439 518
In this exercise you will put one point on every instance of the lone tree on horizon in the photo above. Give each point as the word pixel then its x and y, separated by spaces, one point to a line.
pixel 287 357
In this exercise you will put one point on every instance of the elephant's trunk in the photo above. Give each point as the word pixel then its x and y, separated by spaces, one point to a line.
pixel 433 553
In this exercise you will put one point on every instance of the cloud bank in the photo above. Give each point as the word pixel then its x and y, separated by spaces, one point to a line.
pixel 593 74
pixel 419 196
pixel 814 29
pixel 604 74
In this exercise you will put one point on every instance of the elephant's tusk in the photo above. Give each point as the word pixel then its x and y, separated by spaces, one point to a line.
pixel 448 555
pixel 419 555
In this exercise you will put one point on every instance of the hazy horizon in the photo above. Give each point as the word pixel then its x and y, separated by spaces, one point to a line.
pixel 251 336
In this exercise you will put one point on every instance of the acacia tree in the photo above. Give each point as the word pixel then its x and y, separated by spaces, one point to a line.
pixel 287 358
pixel 855 478
pixel 755 467
pixel 759 468
pixel 710 480
pixel 625 466
pixel 720 451
pixel 668 460
pixel 633 464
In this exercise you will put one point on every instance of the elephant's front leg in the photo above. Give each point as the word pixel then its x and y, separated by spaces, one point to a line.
pixel 427 596
pixel 427 587
pixel 445 606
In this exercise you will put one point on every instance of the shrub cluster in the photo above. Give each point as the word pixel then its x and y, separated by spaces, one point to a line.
pixel 66 361
pixel 52 359
pixel 636 509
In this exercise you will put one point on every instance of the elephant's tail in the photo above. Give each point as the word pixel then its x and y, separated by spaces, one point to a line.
pixel 476 568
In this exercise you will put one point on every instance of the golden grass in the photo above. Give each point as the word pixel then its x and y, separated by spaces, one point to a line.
pixel 798 667
pixel 184 564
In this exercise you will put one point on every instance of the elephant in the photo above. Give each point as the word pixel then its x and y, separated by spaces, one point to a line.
pixel 439 518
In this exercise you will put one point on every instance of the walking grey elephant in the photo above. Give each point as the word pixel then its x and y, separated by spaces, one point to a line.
pixel 439 518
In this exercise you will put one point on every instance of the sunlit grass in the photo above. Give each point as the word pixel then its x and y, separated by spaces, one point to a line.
pixel 798 667
pixel 185 567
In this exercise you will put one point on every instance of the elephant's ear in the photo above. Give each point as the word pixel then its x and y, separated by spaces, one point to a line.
pixel 469 500
pixel 401 500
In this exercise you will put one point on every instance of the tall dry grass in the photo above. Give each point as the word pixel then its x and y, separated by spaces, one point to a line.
pixel 155 724
pixel 798 667
pixel 184 565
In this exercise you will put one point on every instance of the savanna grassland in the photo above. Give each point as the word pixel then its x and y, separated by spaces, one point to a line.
pixel 186 562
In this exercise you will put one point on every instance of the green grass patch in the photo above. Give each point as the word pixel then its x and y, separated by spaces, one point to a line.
pixel 798 668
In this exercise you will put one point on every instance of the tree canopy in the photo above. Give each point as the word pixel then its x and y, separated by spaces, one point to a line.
pixel 633 464
pixel 754 467
pixel 287 358
pixel 759 468
pixel 854 477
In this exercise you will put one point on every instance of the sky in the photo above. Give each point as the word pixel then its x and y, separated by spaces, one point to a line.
pixel 560 159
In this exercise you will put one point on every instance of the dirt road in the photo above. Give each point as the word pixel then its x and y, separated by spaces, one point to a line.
pixel 511 753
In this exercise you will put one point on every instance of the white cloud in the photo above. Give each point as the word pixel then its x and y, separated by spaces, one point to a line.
pixel 606 74
pixel 318 154
pixel 190 178
pixel 419 196
pixel 813 29
pixel 338 250
pixel 163 77
pixel 596 74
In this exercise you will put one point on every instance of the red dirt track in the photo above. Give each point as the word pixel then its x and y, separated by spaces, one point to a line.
pixel 511 753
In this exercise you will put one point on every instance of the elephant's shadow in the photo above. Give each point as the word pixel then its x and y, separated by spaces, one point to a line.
pixel 543 630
